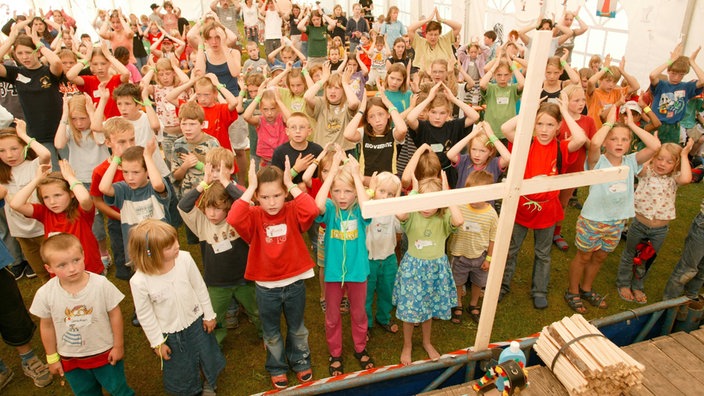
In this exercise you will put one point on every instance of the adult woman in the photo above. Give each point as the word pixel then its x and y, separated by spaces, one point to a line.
pixel 392 27
pixel 118 32
pixel 37 84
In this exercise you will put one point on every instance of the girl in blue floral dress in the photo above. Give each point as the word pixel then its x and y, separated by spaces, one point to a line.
pixel 424 285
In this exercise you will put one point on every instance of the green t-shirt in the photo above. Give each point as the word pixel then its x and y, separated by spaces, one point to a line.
pixel 427 235
pixel 500 105
pixel 317 41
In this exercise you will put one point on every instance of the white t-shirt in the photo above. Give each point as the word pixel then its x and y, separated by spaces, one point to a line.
pixel 272 25
pixel 250 15
pixel 143 133
pixel 81 321
pixel 87 156
pixel 170 302
pixel 20 226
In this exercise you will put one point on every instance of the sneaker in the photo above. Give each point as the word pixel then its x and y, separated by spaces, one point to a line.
pixel 207 389
pixel 29 272
pixel 560 242
pixel 6 377
pixel 37 371
pixel 106 261
pixel 574 202
pixel 231 321
pixel 18 270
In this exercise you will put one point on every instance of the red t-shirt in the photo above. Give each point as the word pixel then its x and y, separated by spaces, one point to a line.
pixel 81 227
pixel 90 86
pixel 587 124
pixel 277 250
pixel 98 173
pixel 542 210
pixel 217 119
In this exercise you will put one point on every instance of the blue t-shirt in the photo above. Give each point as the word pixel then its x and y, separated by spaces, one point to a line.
pixel 346 256
pixel 401 100
pixel 612 201
pixel 670 100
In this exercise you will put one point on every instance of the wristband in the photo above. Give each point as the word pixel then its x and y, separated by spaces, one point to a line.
pixel 294 172
pixel 606 70
pixel 257 99
pixel 492 140
pixel 670 62
pixel 53 358
pixel 74 184
pixel 608 124
pixel 392 108
pixel 27 147
pixel 204 185
pixel 201 46
pixel 315 162
pixel 370 193
pixel 39 46
pixel 487 259
pixel 292 187
pixel 360 112
pixel 563 63
pixel 219 87
pixel 413 192
pixel 117 160
pixel 304 72
pixel 512 66
pixel 85 62
pixel 647 109
pixel 199 165
pixel 576 17
pixel 242 93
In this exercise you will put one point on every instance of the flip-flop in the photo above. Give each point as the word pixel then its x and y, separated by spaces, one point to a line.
pixel 624 298
pixel 644 300
pixel 389 327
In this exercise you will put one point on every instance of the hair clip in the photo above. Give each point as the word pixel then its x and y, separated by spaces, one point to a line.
pixel 146 242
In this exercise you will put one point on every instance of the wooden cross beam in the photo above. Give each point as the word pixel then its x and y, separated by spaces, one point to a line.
pixel 509 191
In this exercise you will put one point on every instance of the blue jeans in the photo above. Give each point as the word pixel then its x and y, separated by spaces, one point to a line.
pixel 541 261
pixel 11 243
pixel 118 250
pixel 55 154
pixel 291 300
pixel 688 274
pixel 636 233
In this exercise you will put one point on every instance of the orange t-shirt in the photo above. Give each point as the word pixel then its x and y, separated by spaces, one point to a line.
pixel 599 99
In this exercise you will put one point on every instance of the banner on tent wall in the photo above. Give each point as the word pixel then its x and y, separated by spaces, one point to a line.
pixel 606 8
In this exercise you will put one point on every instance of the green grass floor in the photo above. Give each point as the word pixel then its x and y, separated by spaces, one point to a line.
pixel 516 317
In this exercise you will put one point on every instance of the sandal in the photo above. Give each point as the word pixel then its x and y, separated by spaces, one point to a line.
pixel 367 363
pixel 593 298
pixel 623 296
pixel 456 315
pixel 323 305
pixel 560 242
pixel 305 375
pixel 389 327
pixel 335 370
pixel 345 305
pixel 575 302
pixel 474 312
pixel 640 297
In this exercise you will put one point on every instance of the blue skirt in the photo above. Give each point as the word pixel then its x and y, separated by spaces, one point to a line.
pixel 424 289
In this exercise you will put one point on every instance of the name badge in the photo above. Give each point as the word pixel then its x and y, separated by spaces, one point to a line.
pixel 421 244
pixel 617 188
pixel 228 18
pixel 276 231
pixel 437 147
pixel 96 93
pixel 470 226
pixel 348 225
pixel 502 100
pixel 205 124
pixel 23 79
pixel 222 246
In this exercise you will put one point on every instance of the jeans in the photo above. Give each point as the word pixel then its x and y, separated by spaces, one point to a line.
pixel 55 154
pixel 541 261
pixel 11 243
pixel 636 233
pixel 688 274
pixel 118 250
pixel 291 300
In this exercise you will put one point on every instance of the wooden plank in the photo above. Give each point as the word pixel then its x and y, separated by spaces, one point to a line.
pixel 653 380
pixel 640 390
pixel 681 354
pixel 699 334
pixel 691 343
pixel 542 382
pixel 654 358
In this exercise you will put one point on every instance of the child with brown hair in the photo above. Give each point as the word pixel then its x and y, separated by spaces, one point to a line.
pixel 270 125
pixel 608 94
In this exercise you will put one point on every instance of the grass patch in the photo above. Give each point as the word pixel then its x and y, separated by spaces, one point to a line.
pixel 245 373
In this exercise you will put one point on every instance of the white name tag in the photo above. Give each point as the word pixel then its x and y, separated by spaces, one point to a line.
pixel 617 188
pixel 205 124
pixel 348 225
pixel 420 244
pixel 502 100
pixel 471 226
pixel 228 18
pixel 437 147
pixel 96 93
pixel 222 246
pixel 23 79
pixel 276 231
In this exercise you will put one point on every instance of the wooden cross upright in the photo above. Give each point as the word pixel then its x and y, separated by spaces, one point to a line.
pixel 509 191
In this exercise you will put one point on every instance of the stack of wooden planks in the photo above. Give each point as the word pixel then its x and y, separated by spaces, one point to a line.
pixel 586 362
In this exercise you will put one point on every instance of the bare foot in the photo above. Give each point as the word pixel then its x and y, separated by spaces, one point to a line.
pixel 432 353
pixel 626 294
pixel 640 297
pixel 406 356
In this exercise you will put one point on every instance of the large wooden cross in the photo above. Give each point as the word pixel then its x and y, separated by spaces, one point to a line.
pixel 509 191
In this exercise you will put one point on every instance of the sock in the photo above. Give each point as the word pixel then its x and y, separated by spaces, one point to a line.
pixel 26 356
pixel 3 368
pixel 558 230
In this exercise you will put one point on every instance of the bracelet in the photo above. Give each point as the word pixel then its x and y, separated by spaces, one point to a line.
pixel 199 165
pixel 487 259
pixel 292 187
pixel 117 160
pixel 204 185
pixel 53 358
pixel 201 46
pixel 219 87
pixel 670 62
pixel 647 109
pixel 608 124
pixel 370 193
pixel 315 162
pixel 563 63
pixel 576 17
pixel 392 108
pixel 294 172
pixel 304 72
pixel 493 139
pixel 360 112
pixel 512 67
pixel 606 70
pixel 242 93
pixel 413 192
pixel 257 99
pixel 85 62
pixel 74 184
pixel 39 46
